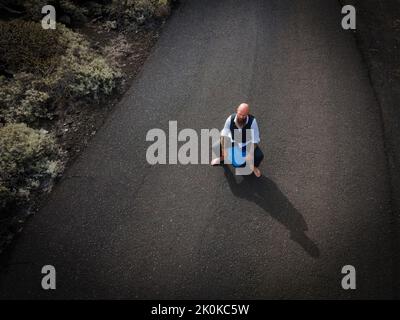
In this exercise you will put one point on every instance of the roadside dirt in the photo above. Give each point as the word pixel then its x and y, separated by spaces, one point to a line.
pixel 378 37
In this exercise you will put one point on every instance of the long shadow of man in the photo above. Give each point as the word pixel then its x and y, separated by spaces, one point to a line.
pixel 266 195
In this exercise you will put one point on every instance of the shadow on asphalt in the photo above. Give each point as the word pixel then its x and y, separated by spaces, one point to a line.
pixel 264 192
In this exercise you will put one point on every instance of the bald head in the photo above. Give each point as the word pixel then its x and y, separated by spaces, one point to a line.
pixel 243 108
pixel 242 111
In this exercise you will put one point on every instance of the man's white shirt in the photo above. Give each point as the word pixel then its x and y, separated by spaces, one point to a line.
pixel 226 131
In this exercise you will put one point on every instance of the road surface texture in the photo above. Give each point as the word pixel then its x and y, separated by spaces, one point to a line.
pixel 117 227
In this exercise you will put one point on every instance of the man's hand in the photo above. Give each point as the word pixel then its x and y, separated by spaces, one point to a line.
pixel 250 161
pixel 250 157
pixel 250 154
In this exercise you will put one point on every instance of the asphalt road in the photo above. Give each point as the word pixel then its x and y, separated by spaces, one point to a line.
pixel 117 227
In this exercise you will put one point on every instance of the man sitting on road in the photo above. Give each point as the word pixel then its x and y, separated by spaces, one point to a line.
pixel 242 120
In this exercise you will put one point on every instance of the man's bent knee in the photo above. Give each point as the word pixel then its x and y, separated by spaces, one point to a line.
pixel 258 156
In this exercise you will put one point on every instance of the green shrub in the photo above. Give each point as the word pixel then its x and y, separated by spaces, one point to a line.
pixel 28 160
pixel 88 73
pixel 95 9
pixel 125 11
pixel 137 12
pixel 20 102
pixel 77 13
pixel 26 47
pixel 37 87
pixel 33 8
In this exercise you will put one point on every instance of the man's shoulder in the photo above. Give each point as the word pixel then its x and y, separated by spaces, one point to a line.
pixel 230 118
pixel 252 119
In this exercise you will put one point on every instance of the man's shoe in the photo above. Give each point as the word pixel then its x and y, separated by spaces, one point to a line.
pixel 216 162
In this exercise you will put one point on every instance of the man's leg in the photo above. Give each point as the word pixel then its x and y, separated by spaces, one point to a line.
pixel 220 157
pixel 258 157
pixel 217 147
